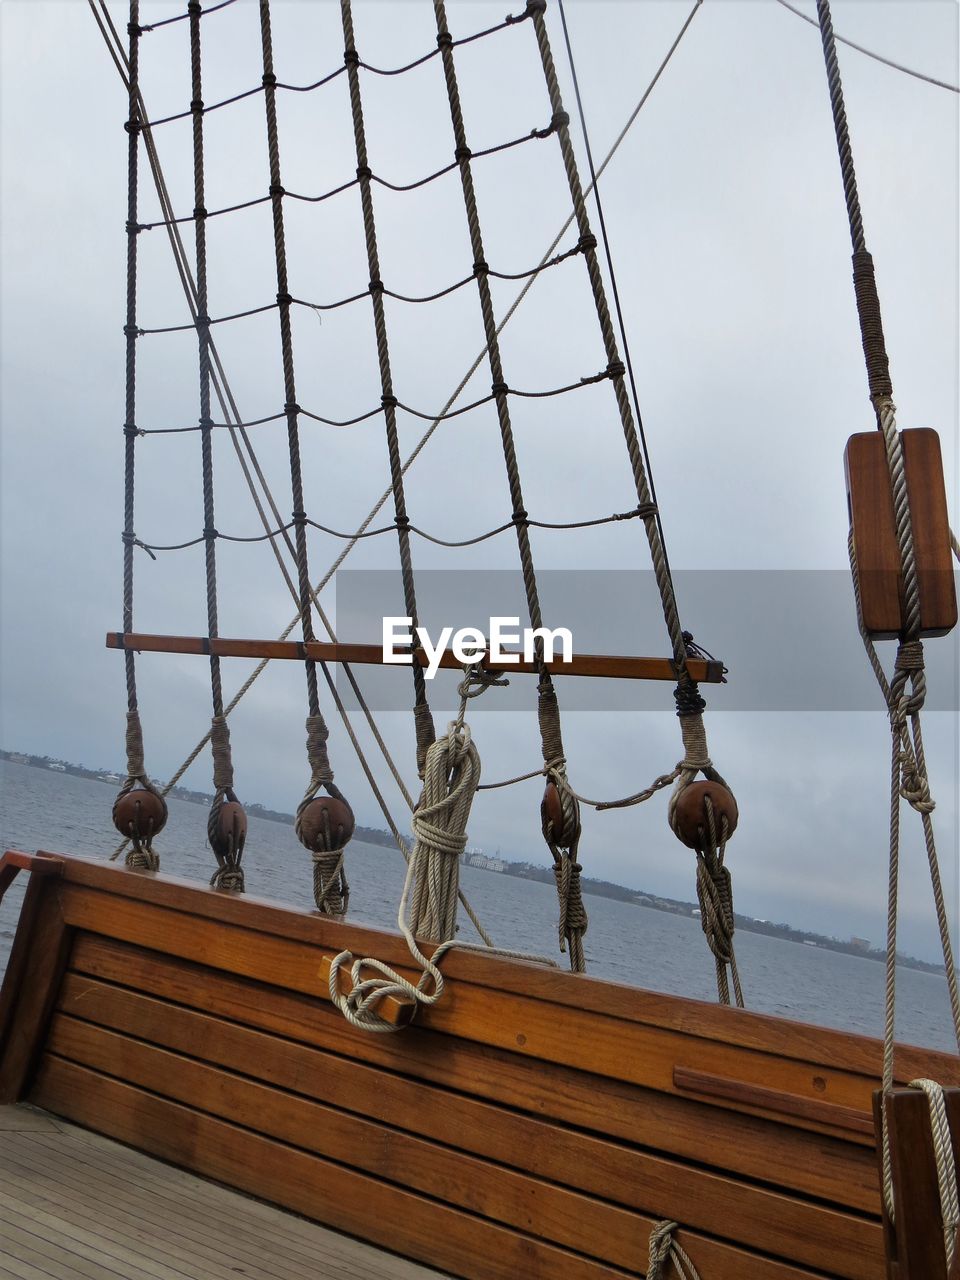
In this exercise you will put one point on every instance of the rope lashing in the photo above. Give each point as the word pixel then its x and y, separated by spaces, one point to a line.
pixel 226 822
pixel 703 815
pixel 946 1165
pixel 560 823
pixel 325 824
pixel 430 889
pixel 139 811
pixel 663 1250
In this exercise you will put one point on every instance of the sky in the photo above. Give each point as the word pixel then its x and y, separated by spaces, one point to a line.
pixel 726 221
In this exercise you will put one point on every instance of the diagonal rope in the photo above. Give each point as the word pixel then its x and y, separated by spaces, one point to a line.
pixel 229 408
pixel 877 57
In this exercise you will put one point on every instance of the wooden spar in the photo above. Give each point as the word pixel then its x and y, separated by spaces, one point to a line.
pixel 610 666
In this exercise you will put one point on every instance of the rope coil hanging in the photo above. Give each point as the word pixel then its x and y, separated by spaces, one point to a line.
pixel 430 890
pixel 139 811
pixel 904 694
pixel 320 823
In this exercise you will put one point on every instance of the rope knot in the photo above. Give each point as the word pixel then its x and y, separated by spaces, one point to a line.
pixel 269 81
pixel 351 58
pixel 499 389
pixel 559 119
pixel 444 40
pixel 586 242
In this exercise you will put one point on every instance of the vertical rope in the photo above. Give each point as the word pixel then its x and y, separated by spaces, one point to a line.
pixel 690 703
pixel 562 836
pixel 136 815
pixel 423 720
pixel 323 825
pixel 226 824
pixel 908 776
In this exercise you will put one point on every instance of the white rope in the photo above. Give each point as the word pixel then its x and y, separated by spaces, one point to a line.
pixel 664 1250
pixel 946 1166
pixel 428 903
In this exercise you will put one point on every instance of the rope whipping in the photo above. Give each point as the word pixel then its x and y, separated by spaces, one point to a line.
pixel 423 720
pixel 226 823
pixel 428 901
pixel 139 811
pixel 908 774
pixel 560 812
pixel 324 825
pixel 690 704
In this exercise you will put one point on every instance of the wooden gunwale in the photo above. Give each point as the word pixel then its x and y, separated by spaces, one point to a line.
pixel 445 1137
pixel 813 1164
pixel 542 1122
pixel 763 1032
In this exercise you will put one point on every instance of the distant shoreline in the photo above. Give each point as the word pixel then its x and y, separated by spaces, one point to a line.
pixel 521 870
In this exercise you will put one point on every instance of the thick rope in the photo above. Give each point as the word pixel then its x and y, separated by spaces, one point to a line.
pixel 946 1165
pixel 908 775
pixel 563 844
pixel 664 1250
pixel 141 856
pixel 330 885
pixel 423 720
pixel 428 902
pixel 227 844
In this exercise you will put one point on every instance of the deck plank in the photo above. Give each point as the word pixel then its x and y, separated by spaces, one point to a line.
pixel 64 1215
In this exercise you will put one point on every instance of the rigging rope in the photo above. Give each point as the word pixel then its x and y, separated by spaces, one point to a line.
pixel 423 720
pixel 324 826
pixel 139 811
pixel 877 57
pixel 561 826
pixel 106 23
pixel 690 704
pixel 908 776
pixel 238 435
pixel 227 823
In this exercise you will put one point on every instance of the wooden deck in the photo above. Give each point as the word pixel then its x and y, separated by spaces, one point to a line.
pixel 77 1206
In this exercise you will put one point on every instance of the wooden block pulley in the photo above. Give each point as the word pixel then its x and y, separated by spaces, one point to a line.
pixel 870 502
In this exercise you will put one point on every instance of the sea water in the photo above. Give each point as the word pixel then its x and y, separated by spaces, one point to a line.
pixel 626 942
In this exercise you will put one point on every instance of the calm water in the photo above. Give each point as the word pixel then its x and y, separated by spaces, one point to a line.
pixel 41 809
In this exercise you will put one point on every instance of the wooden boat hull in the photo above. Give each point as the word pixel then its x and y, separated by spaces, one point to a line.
pixel 533 1124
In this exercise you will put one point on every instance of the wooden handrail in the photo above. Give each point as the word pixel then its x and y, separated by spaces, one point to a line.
pixel 786 1104
pixel 610 666
pixel 14 861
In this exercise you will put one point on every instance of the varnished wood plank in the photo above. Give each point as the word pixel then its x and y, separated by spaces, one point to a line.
pixel 31 990
pixel 757 1096
pixel 918 1223
pixel 636 1179
pixel 460 1243
pixel 874 531
pixel 610 1047
pixel 807 1043
pixel 819 1166
pixel 607 666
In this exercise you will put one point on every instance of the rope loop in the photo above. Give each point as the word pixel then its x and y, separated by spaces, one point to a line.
pixel 663 1250
pixel 946 1165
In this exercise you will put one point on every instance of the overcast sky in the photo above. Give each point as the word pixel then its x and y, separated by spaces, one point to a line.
pixel 725 213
